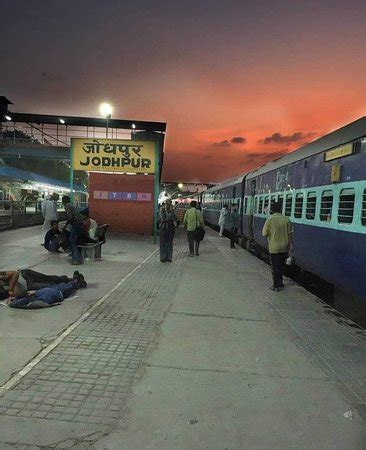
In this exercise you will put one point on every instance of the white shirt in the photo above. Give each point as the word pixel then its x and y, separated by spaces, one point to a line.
pixel 223 213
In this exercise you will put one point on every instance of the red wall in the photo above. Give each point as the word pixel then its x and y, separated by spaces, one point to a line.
pixel 127 216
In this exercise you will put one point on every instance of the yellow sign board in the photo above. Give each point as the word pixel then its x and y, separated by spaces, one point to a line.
pixel 113 155
pixel 339 152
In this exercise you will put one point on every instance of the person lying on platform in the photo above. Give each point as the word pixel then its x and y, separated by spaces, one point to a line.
pixel 29 280
pixel 42 298
pixel 52 240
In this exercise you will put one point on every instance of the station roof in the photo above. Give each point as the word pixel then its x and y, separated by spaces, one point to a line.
pixel 140 125
pixel 19 174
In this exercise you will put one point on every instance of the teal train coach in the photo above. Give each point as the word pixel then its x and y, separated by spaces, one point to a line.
pixel 322 189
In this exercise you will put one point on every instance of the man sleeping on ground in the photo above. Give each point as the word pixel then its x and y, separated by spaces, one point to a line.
pixel 29 280
pixel 45 297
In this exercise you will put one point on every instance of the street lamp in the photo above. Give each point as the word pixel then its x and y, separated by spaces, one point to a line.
pixel 180 185
pixel 106 111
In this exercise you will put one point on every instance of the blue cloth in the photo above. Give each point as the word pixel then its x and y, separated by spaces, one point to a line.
pixel 48 295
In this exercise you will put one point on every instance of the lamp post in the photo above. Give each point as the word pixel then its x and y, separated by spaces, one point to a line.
pixel 106 111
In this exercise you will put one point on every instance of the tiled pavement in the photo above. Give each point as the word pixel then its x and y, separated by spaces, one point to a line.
pixel 87 377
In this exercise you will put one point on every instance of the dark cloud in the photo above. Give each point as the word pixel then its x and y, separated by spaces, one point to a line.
pixel 224 143
pixel 228 142
pixel 278 138
pixel 238 140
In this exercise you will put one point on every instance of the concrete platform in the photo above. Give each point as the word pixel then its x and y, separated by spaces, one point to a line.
pixel 194 354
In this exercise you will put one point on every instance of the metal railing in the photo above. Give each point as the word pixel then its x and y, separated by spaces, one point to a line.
pixel 17 214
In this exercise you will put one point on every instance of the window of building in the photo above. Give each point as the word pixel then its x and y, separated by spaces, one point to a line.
pixel 299 200
pixel 265 205
pixel 326 206
pixel 346 205
pixel 311 205
pixel 260 207
pixel 288 205
pixel 363 211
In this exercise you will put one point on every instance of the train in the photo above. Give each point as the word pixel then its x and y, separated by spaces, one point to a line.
pixel 322 189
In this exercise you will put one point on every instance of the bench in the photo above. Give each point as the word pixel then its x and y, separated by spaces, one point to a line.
pixel 93 250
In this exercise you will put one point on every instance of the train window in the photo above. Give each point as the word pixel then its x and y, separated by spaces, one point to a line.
pixel 260 207
pixel 311 205
pixel 265 205
pixel 363 211
pixel 346 205
pixel 280 201
pixel 326 206
pixel 272 202
pixel 288 205
pixel 299 200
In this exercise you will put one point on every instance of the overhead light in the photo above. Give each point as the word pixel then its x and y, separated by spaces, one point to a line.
pixel 62 121
pixel 8 118
pixel 106 110
pixel 180 185
pixel 133 126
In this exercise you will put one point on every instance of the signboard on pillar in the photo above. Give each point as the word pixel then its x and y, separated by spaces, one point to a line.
pixel 113 155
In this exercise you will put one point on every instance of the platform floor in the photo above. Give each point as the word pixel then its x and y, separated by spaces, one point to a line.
pixel 196 354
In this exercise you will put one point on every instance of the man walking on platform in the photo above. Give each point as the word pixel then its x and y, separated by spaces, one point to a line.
pixel 167 225
pixel 193 219
pixel 222 219
pixel 278 230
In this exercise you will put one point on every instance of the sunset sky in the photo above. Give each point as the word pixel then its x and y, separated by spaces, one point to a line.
pixel 238 82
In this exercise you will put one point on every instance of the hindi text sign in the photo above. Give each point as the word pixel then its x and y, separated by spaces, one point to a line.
pixel 113 155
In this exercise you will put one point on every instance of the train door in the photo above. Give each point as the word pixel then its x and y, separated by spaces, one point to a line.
pixel 253 187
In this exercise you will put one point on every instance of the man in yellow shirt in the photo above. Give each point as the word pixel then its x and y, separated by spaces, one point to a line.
pixel 278 230
pixel 193 218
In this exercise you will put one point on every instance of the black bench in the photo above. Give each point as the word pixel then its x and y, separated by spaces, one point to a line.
pixel 93 250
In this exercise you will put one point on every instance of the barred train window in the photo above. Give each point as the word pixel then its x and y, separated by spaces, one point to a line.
pixel 280 201
pixel 363 211
pixel 311 205
pixel 326 206
pixel 260 205
pixel 265 205
pixel 299 200
pixel 346 205
pixel 288 205
pixel 273 200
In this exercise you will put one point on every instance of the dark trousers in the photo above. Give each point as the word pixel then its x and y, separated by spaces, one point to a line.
pixel 76 231
pixel 166 244
pixel 233 234
pixel 36 280
pixel 193 243
pixel 278 262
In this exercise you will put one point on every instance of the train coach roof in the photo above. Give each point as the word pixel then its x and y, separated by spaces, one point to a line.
pixel 348 133
pixel 228 183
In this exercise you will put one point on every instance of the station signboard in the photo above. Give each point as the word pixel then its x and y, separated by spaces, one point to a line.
pixel 113 155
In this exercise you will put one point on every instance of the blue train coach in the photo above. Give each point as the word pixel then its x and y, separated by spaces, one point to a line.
pixel 322 189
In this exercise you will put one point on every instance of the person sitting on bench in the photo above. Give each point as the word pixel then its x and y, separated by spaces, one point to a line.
pixel 52 240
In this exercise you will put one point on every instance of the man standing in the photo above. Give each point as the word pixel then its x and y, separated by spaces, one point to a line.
pixel 222 219
pixel 49 213
pixel 75 219
pixel 234 222
pixel 192 220
pixel 167 225
pixel 278 230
